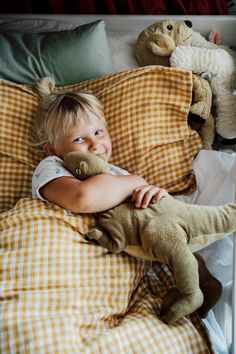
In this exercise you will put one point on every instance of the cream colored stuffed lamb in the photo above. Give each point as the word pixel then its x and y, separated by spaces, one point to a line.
pixel 220 64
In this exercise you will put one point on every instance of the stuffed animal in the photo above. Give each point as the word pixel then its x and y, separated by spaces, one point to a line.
pixel 83 165
pixel 200 117
pixel 168 232
pixel 157 44
pixel 221 66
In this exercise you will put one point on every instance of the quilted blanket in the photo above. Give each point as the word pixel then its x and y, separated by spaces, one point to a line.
pixel 62 294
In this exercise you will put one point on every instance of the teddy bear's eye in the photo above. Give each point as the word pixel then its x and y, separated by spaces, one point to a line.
pixel 169 27
pixel 78 171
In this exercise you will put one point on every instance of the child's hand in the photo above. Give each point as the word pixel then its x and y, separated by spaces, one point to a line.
pixel 146 194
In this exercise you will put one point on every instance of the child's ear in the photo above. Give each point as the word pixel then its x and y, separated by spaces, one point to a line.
pixel 49 150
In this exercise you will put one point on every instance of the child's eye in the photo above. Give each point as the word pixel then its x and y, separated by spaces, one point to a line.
pixel 98 132
pixel 79 140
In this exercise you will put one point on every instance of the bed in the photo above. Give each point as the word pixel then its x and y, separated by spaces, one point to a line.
pixel 60 293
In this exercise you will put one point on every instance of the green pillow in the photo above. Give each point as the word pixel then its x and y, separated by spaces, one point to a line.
pixel 68 56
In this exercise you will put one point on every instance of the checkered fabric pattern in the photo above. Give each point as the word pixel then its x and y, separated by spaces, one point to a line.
pixel 61 294
pixel 146 110
pixel 18 104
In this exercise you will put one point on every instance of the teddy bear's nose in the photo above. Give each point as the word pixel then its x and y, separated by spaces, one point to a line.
pixel 189 24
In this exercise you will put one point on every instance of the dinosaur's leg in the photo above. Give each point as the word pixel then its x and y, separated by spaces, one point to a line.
pixel 209 285
pixel 187 297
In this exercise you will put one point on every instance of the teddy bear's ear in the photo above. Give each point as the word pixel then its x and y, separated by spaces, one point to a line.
pixel 45 86
pixel 161 44
pixel 155 28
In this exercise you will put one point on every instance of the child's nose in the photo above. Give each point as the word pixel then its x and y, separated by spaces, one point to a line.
pixel 93 145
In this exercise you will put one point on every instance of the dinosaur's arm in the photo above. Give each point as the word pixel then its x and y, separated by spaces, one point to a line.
pixel 113 242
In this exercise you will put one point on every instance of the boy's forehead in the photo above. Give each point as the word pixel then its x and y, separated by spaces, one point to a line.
pixel 92 123
pixel 84 126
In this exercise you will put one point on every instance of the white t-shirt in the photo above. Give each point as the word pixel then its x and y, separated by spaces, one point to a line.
pixel 51 168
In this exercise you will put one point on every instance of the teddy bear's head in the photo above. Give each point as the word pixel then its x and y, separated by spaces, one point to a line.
pixel 84 165
pixel 156 43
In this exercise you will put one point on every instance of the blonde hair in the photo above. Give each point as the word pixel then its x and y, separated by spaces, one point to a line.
pixel 58 112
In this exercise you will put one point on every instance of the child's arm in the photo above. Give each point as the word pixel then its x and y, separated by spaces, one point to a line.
pixel 97 193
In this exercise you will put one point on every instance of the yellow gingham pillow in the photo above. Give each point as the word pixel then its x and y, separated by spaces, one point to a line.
pixel 146 110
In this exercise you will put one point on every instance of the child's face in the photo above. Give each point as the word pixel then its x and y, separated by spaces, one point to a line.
pixel 92 138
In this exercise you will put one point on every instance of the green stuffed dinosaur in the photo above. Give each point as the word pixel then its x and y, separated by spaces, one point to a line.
pixel 168 232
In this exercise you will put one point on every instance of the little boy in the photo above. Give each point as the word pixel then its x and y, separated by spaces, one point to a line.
pixel 75 122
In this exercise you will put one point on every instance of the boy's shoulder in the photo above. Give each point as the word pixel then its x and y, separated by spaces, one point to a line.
pixel 115 170
pixel 50 165
pixel 50 168
pixel 51 160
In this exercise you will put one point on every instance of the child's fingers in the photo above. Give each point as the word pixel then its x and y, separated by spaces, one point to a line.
pixel 138 195
pixel 148 197
pixel 159 195
pixel 144 195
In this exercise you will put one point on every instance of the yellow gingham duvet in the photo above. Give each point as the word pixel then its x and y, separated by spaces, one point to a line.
pixel 60 294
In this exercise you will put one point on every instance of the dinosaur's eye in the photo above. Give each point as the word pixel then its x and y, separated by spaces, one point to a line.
pixel 169 27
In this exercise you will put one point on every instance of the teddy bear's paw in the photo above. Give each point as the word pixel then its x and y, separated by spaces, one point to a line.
pixel 200 109
pixel 94 234
pixel 161 44
pixel 183 306
pixel 206 146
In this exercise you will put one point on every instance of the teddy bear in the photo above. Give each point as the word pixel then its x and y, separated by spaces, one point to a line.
pixel 168 232
pixel 220 64
pixel 159 45
pixel 200 117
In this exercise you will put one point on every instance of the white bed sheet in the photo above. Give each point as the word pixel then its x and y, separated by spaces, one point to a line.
pixel 216 180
